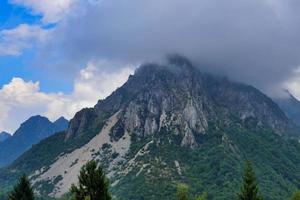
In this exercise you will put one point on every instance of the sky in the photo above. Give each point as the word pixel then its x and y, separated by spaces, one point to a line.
pixel 59 56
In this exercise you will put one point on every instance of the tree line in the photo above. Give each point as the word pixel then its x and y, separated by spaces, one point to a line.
pixel 94 185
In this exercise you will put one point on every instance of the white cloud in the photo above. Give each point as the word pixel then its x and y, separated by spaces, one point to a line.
pixel 93 83
pixel 20 99
pixel 244 40
pixel 51 10
pixel 293 84
pixel 14 41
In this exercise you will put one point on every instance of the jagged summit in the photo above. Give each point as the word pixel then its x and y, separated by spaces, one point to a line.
pixel 60 119
pixel 170 123
pixel 29 133
pixel 61 123
pixel 193 98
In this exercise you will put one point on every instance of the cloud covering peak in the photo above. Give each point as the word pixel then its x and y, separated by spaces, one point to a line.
pixel 245 40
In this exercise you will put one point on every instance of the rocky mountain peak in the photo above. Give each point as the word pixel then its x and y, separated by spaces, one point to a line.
pixel 29 133
pixel 61 123
pixel 179 98
pixel 171 123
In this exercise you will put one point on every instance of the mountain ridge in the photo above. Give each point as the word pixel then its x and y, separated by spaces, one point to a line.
pixel 291 106
pixel 30 132
pixel 166 125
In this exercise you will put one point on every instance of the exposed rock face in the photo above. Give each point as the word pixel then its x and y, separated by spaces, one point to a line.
pixel 68 165
pixel 82 120
pixel 170 124
pixel 179 95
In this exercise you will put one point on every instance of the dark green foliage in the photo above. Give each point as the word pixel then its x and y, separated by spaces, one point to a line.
pixel 202 197
pixel 117 131
pixel 22 191
pixel 296 195
pixel 182 192
pixel 93 184
pixel 216 166
pixel 249 190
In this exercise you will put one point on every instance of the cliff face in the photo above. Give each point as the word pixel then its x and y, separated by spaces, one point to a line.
pixel 170 124
pixel 179 97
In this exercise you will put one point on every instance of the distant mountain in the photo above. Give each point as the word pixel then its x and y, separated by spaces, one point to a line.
pixel 4 135
pixel 171 124
pixel 291 106
pixel 61 124
pixel 30 132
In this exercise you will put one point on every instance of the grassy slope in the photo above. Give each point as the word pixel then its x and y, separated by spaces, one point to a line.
pixel 216 166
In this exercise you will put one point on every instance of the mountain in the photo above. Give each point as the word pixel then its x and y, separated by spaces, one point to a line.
pixel 4 135
pixel 291 106
pixel 30 132
pixel 171 124
pixel 61 124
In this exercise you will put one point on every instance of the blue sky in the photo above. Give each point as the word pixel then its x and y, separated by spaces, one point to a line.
pixel 20 66
pixel 29 84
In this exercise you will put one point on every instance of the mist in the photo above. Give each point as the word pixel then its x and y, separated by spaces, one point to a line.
pixel 256 42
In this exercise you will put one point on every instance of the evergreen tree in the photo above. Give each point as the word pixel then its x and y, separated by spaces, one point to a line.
pixel 202 197
pixel 249 190
pixel 182 192
pixel 296 195
pixel 93 184
pixel 22 191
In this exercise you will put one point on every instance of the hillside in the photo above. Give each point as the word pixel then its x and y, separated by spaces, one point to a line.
pixel 30 132
pixel 171 124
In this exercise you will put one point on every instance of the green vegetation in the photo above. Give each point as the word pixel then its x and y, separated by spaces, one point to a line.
pixel 296 195
pixel 182 192
pixel 202 197
pixel 22 191
pixel 45 152
pixel 93 184
pixel 215 166
pixel 249 190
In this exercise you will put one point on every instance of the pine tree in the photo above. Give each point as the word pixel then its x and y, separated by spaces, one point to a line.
pixel 22 191
pixel 93 184
pixel 182 192
pixel 249 190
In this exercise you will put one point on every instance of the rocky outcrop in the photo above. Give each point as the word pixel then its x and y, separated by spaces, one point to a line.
pixel 81 122
pixel 167 124
pixel 179 95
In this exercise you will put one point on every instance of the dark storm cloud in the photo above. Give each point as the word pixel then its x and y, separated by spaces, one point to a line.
pixel 254 41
